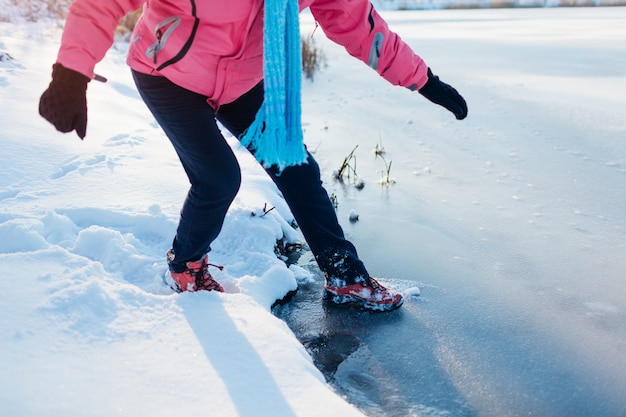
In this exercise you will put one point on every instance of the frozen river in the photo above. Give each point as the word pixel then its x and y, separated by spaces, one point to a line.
pixel 512 222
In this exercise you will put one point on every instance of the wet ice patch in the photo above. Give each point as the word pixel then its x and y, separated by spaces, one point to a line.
pixel 602 308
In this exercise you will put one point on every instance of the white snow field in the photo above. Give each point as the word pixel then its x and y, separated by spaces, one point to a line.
pixel 516 215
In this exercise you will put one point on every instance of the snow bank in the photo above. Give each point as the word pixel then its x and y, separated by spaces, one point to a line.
pixel 87 326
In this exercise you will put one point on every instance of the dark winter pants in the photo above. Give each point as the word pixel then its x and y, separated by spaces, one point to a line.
pixel 214 173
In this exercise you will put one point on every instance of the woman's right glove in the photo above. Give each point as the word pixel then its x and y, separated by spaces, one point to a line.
pixel 441 93
pixel 64 103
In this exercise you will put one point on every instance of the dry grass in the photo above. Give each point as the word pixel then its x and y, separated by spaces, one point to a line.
pixel 127 24
pixel 312 57
pixel 35 10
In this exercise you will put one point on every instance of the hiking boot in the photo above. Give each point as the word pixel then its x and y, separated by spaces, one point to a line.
pixel 369 294
pixel 195 277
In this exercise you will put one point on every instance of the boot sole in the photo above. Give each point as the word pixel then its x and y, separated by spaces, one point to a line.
pixel 367 305
pixel 169 281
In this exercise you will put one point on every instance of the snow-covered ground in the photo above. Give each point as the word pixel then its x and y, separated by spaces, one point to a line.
pixel 87 327
pixel 522 204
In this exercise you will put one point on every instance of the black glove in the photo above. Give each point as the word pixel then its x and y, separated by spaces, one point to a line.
pixel 64 103
pixel 441 93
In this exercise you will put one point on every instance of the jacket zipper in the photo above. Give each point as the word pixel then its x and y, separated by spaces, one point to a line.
pixel 161 38
pixel 162 32
pixel 157 48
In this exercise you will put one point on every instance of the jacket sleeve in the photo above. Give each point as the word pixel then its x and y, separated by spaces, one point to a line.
pixel 89 31
pixel 357 26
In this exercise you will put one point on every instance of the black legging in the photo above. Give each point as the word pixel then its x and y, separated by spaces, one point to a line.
pixel 214 173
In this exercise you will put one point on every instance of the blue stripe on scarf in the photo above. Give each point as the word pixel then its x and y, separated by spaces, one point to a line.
pixel 275 136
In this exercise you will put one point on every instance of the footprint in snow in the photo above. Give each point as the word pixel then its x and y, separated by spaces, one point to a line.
pixel 124 139
pixel 78 164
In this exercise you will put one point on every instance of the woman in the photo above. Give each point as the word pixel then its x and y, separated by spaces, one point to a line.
pixel 199 62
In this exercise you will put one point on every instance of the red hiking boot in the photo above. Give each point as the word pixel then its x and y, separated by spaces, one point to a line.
pixel 369 294
pixel 195 277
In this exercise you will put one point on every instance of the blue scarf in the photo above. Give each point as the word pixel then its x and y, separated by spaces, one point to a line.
pixel 275 136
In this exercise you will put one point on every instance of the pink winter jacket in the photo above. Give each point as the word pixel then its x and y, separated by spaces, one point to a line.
pixel 215 47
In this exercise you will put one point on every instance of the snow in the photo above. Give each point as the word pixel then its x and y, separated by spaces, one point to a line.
pixel 522 201
pixel 87 326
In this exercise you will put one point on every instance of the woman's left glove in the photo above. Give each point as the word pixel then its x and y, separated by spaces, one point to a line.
pixel 441 93
pixel 64 103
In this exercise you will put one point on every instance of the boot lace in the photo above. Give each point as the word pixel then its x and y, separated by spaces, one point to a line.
pixel 204 280
pixel 376 285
